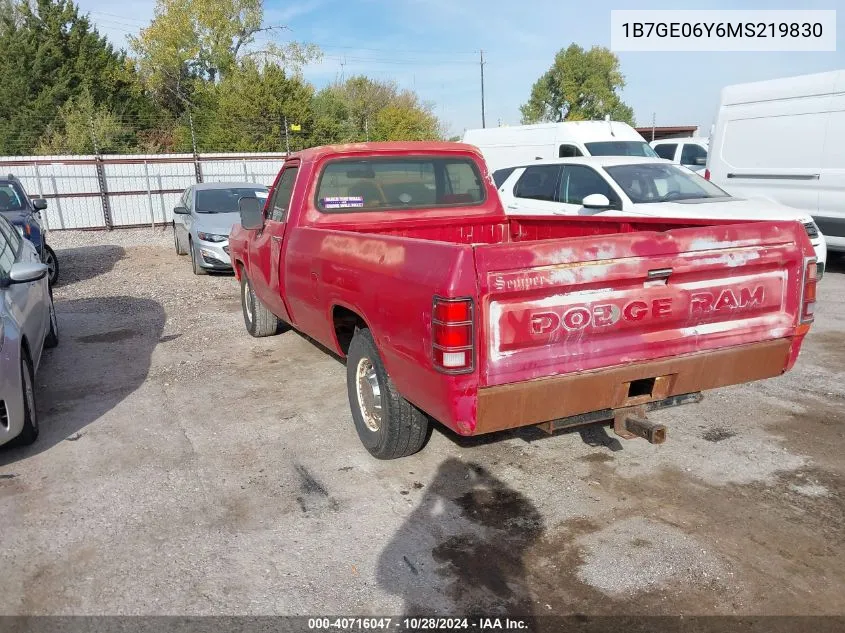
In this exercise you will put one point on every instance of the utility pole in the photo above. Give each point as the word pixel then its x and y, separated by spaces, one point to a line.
pixel 653 118
pixel 197 168
pixel 483 120
pixel 93 135
pixel 287 141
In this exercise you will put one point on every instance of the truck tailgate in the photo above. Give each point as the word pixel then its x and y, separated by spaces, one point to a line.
pixel 552 307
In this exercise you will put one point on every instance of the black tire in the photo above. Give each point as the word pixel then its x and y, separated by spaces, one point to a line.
pixel 401 429
pixel 49 258
pixel 179 242
pixel 52 338
pixel 198 270
pixel 258 319
pixel 29 432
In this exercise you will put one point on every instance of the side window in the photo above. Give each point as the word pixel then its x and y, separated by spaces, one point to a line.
pixel 691 153
pixel 569 151
pixel 579 181
pixel 666 150
pixel 12 236
pixel 281 198
pixel 538 183
pixel 501 175
pixel 7 254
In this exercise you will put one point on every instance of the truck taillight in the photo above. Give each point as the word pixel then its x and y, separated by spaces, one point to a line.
pixel 452 335
pixel 808 295
pixel 706 174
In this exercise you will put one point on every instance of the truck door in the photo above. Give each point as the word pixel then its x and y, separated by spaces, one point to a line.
pixel 266 247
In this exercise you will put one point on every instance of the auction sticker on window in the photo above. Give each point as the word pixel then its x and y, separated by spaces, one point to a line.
pixel 342 202
pixel 725 30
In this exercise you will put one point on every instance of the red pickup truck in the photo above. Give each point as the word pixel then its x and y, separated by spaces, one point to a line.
pixel 400 258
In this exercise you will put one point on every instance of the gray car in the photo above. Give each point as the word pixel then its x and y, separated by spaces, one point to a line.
pixel 27 325
pixel 203 219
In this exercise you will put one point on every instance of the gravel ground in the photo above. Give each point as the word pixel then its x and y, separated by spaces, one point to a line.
pixel 186 468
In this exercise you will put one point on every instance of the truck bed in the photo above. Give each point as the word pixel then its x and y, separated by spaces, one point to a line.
pixel 568 295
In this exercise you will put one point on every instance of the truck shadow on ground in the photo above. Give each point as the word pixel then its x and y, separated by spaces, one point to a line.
pixel 462 550
pixel 104 354
pixel 594 435
pixel 86 262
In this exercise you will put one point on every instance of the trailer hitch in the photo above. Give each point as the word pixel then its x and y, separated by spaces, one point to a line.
pixel 632 422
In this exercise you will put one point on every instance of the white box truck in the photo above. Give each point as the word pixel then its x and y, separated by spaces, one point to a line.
pixel 785 139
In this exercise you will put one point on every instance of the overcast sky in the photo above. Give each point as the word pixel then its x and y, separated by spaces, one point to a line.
pixel 433 47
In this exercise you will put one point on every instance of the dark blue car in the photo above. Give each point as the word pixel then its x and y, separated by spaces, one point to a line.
pixel 25 215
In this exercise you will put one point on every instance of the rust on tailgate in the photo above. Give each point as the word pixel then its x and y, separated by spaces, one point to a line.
pixel 545 399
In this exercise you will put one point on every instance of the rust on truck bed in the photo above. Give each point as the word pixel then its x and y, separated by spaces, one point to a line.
pixel 542 400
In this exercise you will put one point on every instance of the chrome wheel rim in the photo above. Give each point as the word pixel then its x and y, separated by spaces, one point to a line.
pixel 247 299
pixel 369 394
pixel 29 395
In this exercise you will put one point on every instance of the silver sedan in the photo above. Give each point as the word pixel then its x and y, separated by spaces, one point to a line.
pixel 203 219
pixel 27 325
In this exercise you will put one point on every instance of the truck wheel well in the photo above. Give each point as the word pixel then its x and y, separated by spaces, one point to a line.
pixel 345 323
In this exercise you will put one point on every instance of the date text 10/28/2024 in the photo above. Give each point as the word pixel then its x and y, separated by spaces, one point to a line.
pixel 416 624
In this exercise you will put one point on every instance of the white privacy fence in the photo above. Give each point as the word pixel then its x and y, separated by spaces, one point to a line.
pixel 89 192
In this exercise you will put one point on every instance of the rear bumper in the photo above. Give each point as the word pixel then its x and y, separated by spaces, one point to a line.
pixel 547 399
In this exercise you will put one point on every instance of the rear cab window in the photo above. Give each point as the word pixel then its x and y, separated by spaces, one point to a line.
pixel 692 153
pixel 666 150
pixel 413 182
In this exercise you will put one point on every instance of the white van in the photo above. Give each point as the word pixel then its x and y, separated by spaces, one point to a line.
pixel 509 146
pixel 785 140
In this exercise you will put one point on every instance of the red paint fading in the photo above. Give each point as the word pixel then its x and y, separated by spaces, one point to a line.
pixel 551 296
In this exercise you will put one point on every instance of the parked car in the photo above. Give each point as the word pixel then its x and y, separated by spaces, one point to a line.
pixel 27 325
pixel 785 139
pixel 506 146
pixel 399 257
pixel 25 214
pixel 690 152
pixel 641 187
pixel 203 219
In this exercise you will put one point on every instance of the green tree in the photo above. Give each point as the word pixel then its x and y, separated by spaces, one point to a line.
pixel 364 108
pixel 49 55
pixel 79 124
pixel 247 109
pixel 192 40
pixel 580 85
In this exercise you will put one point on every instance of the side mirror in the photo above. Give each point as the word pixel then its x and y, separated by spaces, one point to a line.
pixel 701 161
pixel 596 201
pixel 252 213
pixel 25 272
pixel 180 210
pixel 39 204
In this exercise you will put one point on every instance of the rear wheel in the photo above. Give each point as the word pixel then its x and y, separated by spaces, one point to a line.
pixel 198 270
pixel 52 265
pixel 29 432
pixel 258 319
pixel 389 426
pixel 52 339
